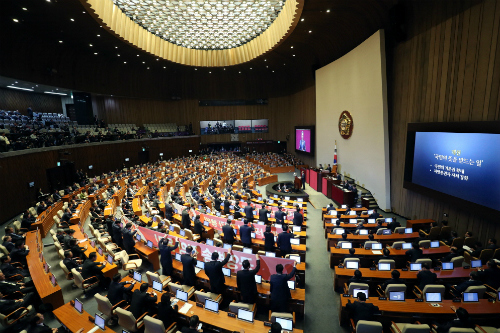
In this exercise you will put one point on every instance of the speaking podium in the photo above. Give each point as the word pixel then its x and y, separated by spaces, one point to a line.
pixel 297 183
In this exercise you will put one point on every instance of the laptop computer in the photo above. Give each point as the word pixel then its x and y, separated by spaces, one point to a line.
pixel 434 244
pixel 178 256
pixel 470 297
pixel 226 271
pixel 353 221
pixel 363 231
pixel 157 286
pixel 138 237
pixel 100 322
pixel 245 315
pixel 110 259
pixel 372 221
pixel 181 295
pixel 384 267
pixel 270 254
pixel 476 263
pixel 227 246
pixel 433 297
pixel 138 277
pixel 149 244
pixel 376 246
pixel 78 305
pixel 296 228
pixel 339 231
pixel 211 305
pixel 406 246
pixel 286 324
pixel 397 296
pixel 408 230
pixel 388 220
pixel 346 245
pixel 210 242
pixel 247 250
pixel 294 241
pixel 447 266
pixel 386 232
pixel 258 278
pixel 415 267
pixel 352 265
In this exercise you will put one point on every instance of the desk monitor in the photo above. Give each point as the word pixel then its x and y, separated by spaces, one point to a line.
pixel 245 315
pixel 92 243
pixel 344 207
pixel 352 265
pixel 149 244
pixel 406 246
pixel 260 199
pixel 138 276
pixel 110 259
pixel 346 245
pixel 268 215
pixel 206 224
pixel 352 212
pixel 242 210
pixel 388 220
pixel 226 271
pixel 384 267
pixel 386 232
pixel 296 228
pixel 278 225
pixel 230 217
pixel 275 239
pixel 211 305
pixel 291 284
pixel 447 266
pixel 370 212
pixel 227 246
pixel 258 278
pixel 46 267
pixel 300 199
pixel 260 223
pixel 200 264
pixel 275 195
pixel 339 231
pixel 294 241
pixel 41 256
pixel 270 201
pixel 210 242
pixel 100 322
pixel 217 214
pixel 158 286
pixel 138 237
pixel 356 291
pixel 176 211
pixel 178 256
pixel 78 305
pixel 247 250
pixel 209 210
pixel 287 198
pixel 470 297
pixel 475 263
pixel 498 296
pixel 235 231
pixel 99 250
pixel 433 297
pixel 353 221
pixel 252 235
pixel 397 296
pixel 53 280
pixel 286 324
pixel 363 231
pixel 270 254
pixel 200 206
pixel 231 207
pixel 372 221
pixel 434 244
pixel 182 295
pixel 376 246
pixel 171 228
pixel 415 267
pixel 182 232
pixel 408 230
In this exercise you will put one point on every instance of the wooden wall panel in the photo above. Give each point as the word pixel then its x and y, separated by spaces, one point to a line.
pixel 447 70
pixel 16 196
pixel 12 100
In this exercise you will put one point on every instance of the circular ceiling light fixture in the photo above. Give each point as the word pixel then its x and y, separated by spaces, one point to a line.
pixel 206 33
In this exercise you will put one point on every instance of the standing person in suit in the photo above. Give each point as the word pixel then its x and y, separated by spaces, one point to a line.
pixel 188 262
pixel 169 213
pixel 128 238
pixel 228 232
pixel 360 310
pixel 199 228
pixel 303 180
pixel 425 277
pixel 38 326
pixel 226 206
pixel 280 292
pixel 263 215
pixel 298 218
pixel 117 291
pixel 213 269
pixel 166 312
pixel 245 280
pixel 185 220
pixel 117 233
pixel 283 241
pixel 280 215
pixel 268 239
pixel 166 255
pixel 91 268
pixel 246 233
pixel 142 301
pixel 248 210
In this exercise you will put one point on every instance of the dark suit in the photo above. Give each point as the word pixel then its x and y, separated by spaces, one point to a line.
pixel 128 240
pixel 117 292
pixel 70 263
pixel 41 329
pixel 263 215
pixel 490 276
pixel 284 244
pixel 245 280
pixel 426 277
pixel 448 257
pixel 391 281
pixel 414 254
pixel 166 256
pixel 8 270
pixel 226 207
pixel 268 241
pixel 280 293
pixel 280 216
pixel 166 314
pixel 188 271
pixel 361 311
pixel 91 268
pixel 248 212
pixel 198 227
pixel 141 302
pixel 117 235
pixel 298 219
pixel 169 213
pixel 186 222
pixel 9 246
pixel 464 285
pixel 19 255
pixel 246 235
pixel 228 234
pixel 213 269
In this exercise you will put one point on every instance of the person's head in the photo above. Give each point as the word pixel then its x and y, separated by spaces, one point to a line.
pixel 492 263
pixel 468 234
pixel 416 245
pixel 358 274
pixel 19 244
pixel 268 228
pixel 352 251
pixel 93 256
pixel 444 223
pixel 72 242
pixel 279 268
pixel 37 319
pixel 144 287
pixel 245 221
pixel 5 259
pixel 70 232
pixel 371 237
pixel 380 222
pixel 60 231
pixel 6 239
pixel 117 278
pixel 245 264
pixel 193 321
pixel 474 275
pixel 2 276
pixel 395 274
pixel 453 249
pixel 229 221
pixel 128 225
pixel 189 249
pixel 285 228
pixel 386 252
pixel 492 241
pixel 478 245
pixel 275 328
pixel 425 266
pixel 462 314
pixel 454 234
pixel 361 296
pixel 165 298
pixel 215 255
pixel 68 254
pixel 344 236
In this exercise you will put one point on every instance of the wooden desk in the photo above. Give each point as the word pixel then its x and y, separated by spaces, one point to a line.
pixel 74 320
pixel 332 239
pixel 367 256
pixel 45 220
pixel 111 269
pixel 48 293
pixel 151 255
pixel 342 197
pixel 330 226
pixel 419 223
pixel 267 180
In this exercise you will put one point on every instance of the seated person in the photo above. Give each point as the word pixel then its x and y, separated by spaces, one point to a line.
pixel 37 326
pixel 473 281
pixel 166 313
pixel 70 262
pixel 193 325
pixel 425 277
pixel 351 254
pixel 142 301
pixel 492 244
pixel 414 253
pixel 117 291
pixel 360 310
pixel 7 306
pixel 20 252
pixel 395 274
pixel 374 215
pixel 357 278
pixel 11 271
pixel 371 238
pixel 7 243
pixel 453 253
pixel 491 275
pixel 91 268
pixel 329 209
pixel 462 321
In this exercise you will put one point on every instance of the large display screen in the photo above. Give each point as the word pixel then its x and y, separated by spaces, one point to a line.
pixel 304 139
pixel 460 167
pixel 234 126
